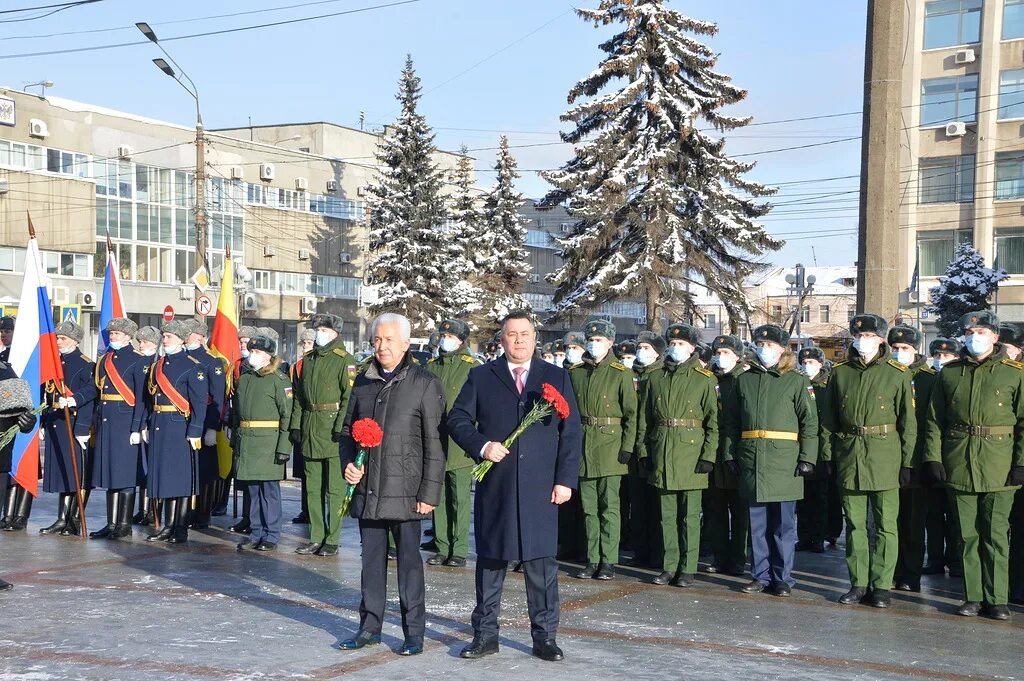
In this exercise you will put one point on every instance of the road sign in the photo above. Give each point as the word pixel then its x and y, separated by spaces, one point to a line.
pixel 168 313
pixel 201 279
pixel 204 305
pixel 71 313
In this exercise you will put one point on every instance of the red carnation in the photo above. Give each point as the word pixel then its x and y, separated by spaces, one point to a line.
pixel 367 433
pixel 552 396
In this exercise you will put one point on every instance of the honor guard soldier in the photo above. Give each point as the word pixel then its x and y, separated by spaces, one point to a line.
pixel 728 520
pixel 975 444
pixel 625 352
pixel 318 416
pixel 6 337
pixel 148 338
pixel 16 406
pixel 770 427
pixel 245 332
pixel 306 339
pixel 812 510
pixel 607 402
pixel 178 401
pixel 677 442
pixel 572 537
pixel 118 465
pixel 78 394
pixel 451 517
pixel 18 502
pixel 547 354
pixel 645 507
pixel 871 426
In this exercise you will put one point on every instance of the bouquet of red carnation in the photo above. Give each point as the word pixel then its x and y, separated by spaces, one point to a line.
pixel 550 401
pixel 368 434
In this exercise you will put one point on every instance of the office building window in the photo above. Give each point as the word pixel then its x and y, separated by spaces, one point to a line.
pixel 824 314
pixel 805 314
pixel 946 179
pixel 710 320
pixel 1009 175
pixel 1011 94
pixel 1013 19
pixel 776 313
pixel 1010 250
pixel 935 250
pixel 949 99
pixel 951 22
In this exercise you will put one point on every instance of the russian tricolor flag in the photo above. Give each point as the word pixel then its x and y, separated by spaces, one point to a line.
pixel 111 305
pixel 34 357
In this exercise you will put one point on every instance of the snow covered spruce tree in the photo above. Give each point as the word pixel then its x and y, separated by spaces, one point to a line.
pixel 657 203
pixel 966 287
pixel 500 257
pixel 465 220
pixel 418 268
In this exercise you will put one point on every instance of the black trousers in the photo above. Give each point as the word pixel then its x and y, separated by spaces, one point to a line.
pixel 541 596
pixel 374 579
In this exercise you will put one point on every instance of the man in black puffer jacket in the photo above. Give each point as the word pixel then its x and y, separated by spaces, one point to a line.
pixel 400 482
pixel 15 410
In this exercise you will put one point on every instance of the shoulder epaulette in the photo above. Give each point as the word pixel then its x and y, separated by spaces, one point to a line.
pixel 340 352
pixel 839 364
pixel 618 367
pixel 1013 363
pixel 431 360
pixel 469 359
pixel 894 363
pixel 928 370
pixel 138 352
pixel 702 370
pixel 85 357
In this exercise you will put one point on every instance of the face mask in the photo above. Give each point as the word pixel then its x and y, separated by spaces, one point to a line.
pixel 66 350
pixel 449 345
pixel 769 356
pixel 628 362
pixel 867 348
pixel 149 352
pixel 597 350
pixel 559 359
pixel 811 370
pixel 117 345
pixel 172 350
pixel 678 354
pixel 258 361
pixel 192 346
pixel 574 356
pixel 646 357
pixel 904 357
pixel 323 338
pixel 937 363
pixel 978 344
pixel 245 354
pixel 724 362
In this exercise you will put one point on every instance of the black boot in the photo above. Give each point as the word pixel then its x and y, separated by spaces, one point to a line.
pixel 221 508
pixel 303 517
pixel 105 531
pixel 179 528
pixel 64 503
pixel 170 510
pixel 243 526
pixel 73 527
pixel 22 509
pixel 10 504
pixel 123 514
pixel 199 519
pixel 145 516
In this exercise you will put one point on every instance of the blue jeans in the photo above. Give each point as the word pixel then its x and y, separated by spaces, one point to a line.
pixel 773 541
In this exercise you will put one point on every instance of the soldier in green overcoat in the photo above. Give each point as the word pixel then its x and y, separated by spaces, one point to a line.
pixel 975 444
pixel 451 517
pixel 677 442
pixel 318 416
pixel 812 510
pixel 871 428
pixel 572 537
pixel 644 507
pixel 607 403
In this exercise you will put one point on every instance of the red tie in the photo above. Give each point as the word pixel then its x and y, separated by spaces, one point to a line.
pixel 520 384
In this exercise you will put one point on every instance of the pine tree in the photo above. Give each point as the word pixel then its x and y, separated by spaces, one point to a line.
pixel 966 287
pixel 657 202
pixel 466 218
pixel 501 257
pixel 413 262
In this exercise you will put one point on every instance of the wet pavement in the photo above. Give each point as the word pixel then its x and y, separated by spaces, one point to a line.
pixel 134 610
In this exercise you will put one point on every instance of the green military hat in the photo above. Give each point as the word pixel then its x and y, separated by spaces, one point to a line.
pixel 546 349
pixel 811 353
pixel 680 331
pixel 1012 333
pixel 599 327
pixel 944 345
pixel 626 347
pixel 773 333
pixel 981 318
pixel 71 329
pixel 869 323
pixel 729 343
pixel 557 346
pixel 574 338
pixel 326 320
pixel 263 341
pixel 652 339
pixel 455 327
pixel 901 333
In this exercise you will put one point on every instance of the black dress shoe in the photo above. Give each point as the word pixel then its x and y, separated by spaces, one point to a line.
pixel 246 544
pixel 782 589
pixel 243 526
pixel 161 535
pixel 5 586
pixel 879 598
pixel 102 533
pixel 479 648
pixel 301 519
pixel 412 646
pixel 682 579
pixel 995 612
pixel 307 549
pixel 662 579
pixel 933 569
pixel 266 546
pixel 907 585
pixel 712 569
pixel 854 595
pixel 969 609
pixel 604 572
pixel 456 562
pixel 179 536
pixel 436 559
pixel 736 570
pixel 803 545
pixel 756 586
pixel 328 550
pixel 360 640
pixel 518 567
pixel 587 572
pixel 548 651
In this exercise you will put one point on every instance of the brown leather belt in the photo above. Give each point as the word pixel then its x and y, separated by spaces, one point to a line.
pixel 982 431
pixel 332 406
pixel 872 430
pixel 680 423
pixel 600 420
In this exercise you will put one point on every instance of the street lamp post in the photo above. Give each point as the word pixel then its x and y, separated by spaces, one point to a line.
pixel 800 285
pixel 200 171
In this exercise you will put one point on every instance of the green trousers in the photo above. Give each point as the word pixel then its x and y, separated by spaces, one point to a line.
pixel 867 568
pixel 983 525
pixel 451 517
pixel 913 513
pixel 1017 547
pixel 600 497
pixel 325 488
pixel 728 525
pixel 680 529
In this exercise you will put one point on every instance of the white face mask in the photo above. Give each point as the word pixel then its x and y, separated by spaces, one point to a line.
pixel 628 362
pixel 245 354
pixel 597 349
pixel 323 337
pixel 117 345
pixel 937 363
pixel 173 349
pixel 66 350
pixel 192 346
pixel 148 352
pixel 258 360
pixel 810 370
pixel 559 359
pixel 724 362
pixel 867 347
pixel 449 345
pixel 646 356
pixel 574 355
pixel 678 354
pixel 769 356
pixel 977 344
pixel 904 357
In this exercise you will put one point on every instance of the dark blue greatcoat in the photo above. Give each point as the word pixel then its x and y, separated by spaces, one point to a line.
pixel 79 377
pixel 171 459
pixel 216 385
pixel 514 516
pixel 116 463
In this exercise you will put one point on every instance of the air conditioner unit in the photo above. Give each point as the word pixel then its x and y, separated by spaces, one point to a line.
pixel 360 191
pixel 332 185
pixel 237 172
pixel 303 254
pixel 266 172
pixel 268 251
pixel 965 56
pixel 309 305
pixel 344 257
pixel 37 128
pixel 301 183
pixel 60 295
pixel 249 302
pixel 124 151
pixel 86 298
pixel 956 129
pixel 565 227
pixel 186 292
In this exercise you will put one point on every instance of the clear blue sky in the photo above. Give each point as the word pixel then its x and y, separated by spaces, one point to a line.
pixel 797 58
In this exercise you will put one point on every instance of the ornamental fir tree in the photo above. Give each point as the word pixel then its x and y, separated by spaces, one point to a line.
pixel 465 220
pixel 657 202
pixel 966 287
pixel 412 261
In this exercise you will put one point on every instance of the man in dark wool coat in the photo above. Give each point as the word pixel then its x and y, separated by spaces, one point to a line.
pixel 516 508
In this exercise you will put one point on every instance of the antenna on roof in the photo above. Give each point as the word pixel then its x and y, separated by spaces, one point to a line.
pixel 814 256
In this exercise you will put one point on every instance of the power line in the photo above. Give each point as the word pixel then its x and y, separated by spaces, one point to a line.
pixel 75 3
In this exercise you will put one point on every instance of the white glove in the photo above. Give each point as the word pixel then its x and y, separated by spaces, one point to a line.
pixel 227 434
pixel 195 443
pixel 83 440
pixel 145 435
pixel 42 435
pixel 68 402
pixel 210 437
pixel 135 438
